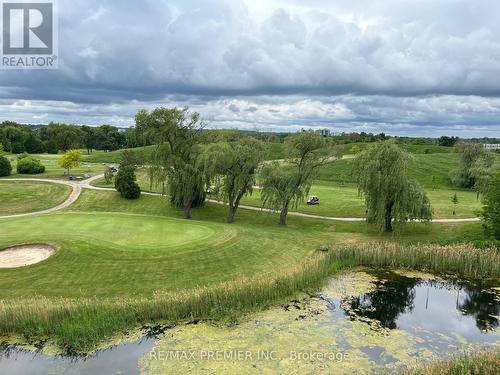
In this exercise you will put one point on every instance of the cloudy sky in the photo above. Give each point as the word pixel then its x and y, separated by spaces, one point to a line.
pixel 405 67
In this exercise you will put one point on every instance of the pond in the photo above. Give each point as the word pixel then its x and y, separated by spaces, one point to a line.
pixel 361 321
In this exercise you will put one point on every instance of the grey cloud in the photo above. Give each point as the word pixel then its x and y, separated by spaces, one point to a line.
pixel 427 116
pixel 145 50
pixel 391 64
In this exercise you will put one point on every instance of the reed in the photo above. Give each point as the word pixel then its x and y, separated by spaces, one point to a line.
pixel 79 325
pixel 461 259
pixel 483 362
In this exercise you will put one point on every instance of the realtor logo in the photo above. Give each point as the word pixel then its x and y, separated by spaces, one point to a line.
pixel 29 35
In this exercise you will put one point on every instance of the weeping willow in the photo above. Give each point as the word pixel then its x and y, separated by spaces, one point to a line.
pixel 391 197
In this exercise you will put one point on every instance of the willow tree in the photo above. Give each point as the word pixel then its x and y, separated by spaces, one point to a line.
pixel 176 133
pixel 474 167
pixel 232 167
pixel 285 185
pixel 392 198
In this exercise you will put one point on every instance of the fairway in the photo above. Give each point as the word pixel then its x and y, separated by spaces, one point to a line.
pixel 18 197
pixel 123 255
pixel 344 201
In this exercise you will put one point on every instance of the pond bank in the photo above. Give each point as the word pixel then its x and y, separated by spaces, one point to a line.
pixel 361 320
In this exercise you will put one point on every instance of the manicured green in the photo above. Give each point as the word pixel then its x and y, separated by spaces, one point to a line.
pixel 17 197
pixel 123 255
pixel 114 157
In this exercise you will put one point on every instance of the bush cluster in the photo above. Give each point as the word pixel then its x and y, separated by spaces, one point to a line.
pixel 28 165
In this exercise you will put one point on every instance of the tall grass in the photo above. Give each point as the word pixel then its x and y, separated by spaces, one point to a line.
pixel 461 259
pixel 80 325
pixel 483 362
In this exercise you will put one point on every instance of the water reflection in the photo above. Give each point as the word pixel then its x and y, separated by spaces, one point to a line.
pixel 483 305
pixel 391 298
pixel 396 298
pixel 122 359
pixel 385 320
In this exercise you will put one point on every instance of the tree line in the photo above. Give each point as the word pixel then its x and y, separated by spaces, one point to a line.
pixel 227 169
pixel 230 166
pixel 58 137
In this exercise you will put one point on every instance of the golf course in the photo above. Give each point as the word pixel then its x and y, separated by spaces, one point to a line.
pixel 120 265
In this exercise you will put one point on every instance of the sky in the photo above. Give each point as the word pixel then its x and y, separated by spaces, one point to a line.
pixel 419 67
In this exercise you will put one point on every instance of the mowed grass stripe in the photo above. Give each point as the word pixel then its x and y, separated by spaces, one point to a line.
pixel 120 255
pixel 19 197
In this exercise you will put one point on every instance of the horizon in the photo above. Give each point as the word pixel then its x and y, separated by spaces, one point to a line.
pixel 397 67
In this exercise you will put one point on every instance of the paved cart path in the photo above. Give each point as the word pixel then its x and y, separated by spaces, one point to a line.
pixel 87 184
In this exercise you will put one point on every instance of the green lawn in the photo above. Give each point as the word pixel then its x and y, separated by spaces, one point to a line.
pixel 342 199
pixel 119 254
pixel 430 170
pixel 17 197
pixel 122 254
pixel 53 170
pixel 125 252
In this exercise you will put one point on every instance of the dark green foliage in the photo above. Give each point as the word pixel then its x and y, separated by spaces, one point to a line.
pixel 5 167
pixel 175 160
pixel 107 138
pixel 28 165
pixel 491 210
pixel 125 183
pixel 89 140
pixel 454 200
pixel 34 145
pixel 18 148
pixel 65 136
pixel 51 147
pixel 447 141
pixel 391 197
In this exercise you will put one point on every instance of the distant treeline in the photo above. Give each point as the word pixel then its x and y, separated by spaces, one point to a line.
pixel 56 137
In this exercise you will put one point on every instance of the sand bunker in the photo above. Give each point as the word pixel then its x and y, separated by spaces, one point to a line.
pixel 24 255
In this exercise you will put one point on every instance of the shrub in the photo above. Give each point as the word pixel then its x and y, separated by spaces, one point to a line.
pixel 5 167
pixel 125 183
pixel 28 165
pixel 22 156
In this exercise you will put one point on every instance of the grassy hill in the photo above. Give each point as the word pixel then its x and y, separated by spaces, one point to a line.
pixel 114 156
pixel 424 168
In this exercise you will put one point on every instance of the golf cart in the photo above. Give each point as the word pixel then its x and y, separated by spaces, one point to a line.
pixel 313 200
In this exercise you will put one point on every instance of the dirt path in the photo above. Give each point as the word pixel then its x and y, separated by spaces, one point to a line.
pixel 87 184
